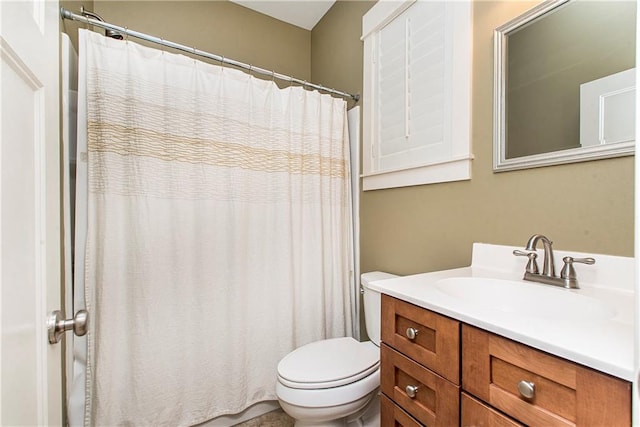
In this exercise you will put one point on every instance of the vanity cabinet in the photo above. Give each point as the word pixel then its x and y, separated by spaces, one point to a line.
pixel 502 372
pixel 475 413
pixel 438 371
pixel 419 364
pixel 392 415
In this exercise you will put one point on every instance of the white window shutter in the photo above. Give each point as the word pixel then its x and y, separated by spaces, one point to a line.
pixel 415 87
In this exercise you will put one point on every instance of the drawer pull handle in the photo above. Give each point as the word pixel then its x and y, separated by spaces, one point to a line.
pixel 411 390
pixel 527 389
pixel 411 333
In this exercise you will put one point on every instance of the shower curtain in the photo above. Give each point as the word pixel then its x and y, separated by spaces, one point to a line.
pixel 218 232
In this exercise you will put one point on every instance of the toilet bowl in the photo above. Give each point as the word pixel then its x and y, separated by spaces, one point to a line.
pixel 335 382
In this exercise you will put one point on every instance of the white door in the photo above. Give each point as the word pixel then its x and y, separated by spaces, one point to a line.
pixel 636 388
pixel 30 368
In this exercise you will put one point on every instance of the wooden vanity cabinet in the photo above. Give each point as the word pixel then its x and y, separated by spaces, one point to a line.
pixel 564 393
pixel 436 344
pixel 393 415
pixel 420 350
pixel 437 371
pixel 435 401
pixel 474 413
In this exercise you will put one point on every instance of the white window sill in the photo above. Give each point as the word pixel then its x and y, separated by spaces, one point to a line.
pixel 450 170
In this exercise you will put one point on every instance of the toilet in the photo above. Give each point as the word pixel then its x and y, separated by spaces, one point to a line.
pixel 335 382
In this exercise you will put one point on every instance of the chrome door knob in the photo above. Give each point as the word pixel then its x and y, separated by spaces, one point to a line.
pixel 411 390
pixel 411 333
pixel 527 389
pixel 58 325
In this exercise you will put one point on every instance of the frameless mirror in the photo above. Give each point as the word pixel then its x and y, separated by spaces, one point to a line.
pixel 564 84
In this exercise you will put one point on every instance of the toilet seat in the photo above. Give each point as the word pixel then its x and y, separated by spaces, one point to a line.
pixel 328 364
pixel 329 397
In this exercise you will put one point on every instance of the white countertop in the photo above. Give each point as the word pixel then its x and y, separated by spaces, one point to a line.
pixel 604 344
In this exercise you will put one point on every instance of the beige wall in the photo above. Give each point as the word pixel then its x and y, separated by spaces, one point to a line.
pixel 336 50
pixel 585 206
pixel 219 27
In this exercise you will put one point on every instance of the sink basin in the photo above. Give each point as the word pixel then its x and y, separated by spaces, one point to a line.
pixel 525 299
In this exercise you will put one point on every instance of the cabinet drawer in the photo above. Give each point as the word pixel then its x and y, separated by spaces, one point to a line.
pixel 565 393
pixel 391 415
pixel 476 414
pixel 436 401
pixel 437 341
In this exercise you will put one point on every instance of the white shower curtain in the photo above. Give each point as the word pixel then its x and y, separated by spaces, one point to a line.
pixel 218 232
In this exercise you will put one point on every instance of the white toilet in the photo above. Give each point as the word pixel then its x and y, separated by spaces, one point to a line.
pixel 335 382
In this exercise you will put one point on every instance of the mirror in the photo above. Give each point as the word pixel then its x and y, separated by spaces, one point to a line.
pixel 564 84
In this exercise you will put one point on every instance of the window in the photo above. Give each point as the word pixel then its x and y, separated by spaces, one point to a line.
pixel 417 93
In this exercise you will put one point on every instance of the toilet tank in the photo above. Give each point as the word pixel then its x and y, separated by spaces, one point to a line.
pixel 372 303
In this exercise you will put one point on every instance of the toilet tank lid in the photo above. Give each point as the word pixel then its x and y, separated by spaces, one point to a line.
pixel 372 276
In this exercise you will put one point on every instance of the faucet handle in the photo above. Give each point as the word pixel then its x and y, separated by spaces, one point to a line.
pixel 570 259
pixel 568 272
pixel 532 265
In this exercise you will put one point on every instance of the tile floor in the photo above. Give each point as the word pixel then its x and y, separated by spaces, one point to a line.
pixel 275 418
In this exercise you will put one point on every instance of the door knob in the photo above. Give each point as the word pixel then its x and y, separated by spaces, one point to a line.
pixel 58 325
pixel 411 391
pixel 527 389
pixel 411 333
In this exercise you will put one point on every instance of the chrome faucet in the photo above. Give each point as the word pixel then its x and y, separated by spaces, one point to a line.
pixel 567 279
pixel 548 264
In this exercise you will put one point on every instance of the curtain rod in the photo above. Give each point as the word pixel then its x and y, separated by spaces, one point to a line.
pixel 66 14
